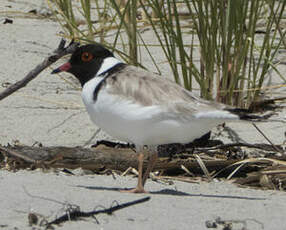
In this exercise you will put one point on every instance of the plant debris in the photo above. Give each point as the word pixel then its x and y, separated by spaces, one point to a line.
pixel 231 224
pixel 8 21
pixel 256 165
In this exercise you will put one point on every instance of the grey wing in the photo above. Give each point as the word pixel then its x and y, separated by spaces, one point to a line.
pixel 148 89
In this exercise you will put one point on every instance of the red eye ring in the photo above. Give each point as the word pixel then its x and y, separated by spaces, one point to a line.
pixel 86 56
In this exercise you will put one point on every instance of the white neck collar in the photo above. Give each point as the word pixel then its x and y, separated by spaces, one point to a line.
pixel 107 64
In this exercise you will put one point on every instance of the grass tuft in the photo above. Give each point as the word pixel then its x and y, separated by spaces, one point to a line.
pixel 237 41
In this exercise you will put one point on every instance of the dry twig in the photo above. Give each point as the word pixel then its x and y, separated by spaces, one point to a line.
pixel 270 142
pixel 76 213
pixel 57 54
pixel 17 155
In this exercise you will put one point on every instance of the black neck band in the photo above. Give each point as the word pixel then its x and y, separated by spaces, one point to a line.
pixel 105 75
pixel 113 69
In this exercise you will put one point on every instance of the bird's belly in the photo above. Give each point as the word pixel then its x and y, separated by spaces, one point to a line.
pixel 143 125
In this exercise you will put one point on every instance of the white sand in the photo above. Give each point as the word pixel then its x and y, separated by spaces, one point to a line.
pixel 50 111
pixel 179 206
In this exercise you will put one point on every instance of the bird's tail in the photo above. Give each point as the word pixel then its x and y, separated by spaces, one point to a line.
pixel 245 114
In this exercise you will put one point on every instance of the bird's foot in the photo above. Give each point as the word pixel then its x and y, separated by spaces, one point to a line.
pixel 134 190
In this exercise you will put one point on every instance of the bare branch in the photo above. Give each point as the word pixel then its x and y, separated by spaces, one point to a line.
pixel 57 54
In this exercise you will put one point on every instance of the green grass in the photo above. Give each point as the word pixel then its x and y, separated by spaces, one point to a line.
pixel 234 58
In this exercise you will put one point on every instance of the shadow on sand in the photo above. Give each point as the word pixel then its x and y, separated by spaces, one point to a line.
pixel 173 192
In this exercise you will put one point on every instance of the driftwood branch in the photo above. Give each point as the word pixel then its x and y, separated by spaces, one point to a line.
pixel 76 213
pixel 102 157
pixel 99 159
pixel 57 54
pixel 261 171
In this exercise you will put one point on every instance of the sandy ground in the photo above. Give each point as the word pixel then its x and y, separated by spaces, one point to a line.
pixel 178 206
pixel 49 111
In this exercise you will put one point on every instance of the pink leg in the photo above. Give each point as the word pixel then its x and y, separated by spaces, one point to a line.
pixel 151 164
pixel 140 185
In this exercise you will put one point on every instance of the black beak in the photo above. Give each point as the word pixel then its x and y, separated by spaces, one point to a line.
pixel 56 71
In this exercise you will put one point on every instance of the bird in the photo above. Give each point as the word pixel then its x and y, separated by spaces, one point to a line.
pixel 140 107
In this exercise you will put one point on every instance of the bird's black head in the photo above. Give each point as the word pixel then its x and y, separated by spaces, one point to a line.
pixel 85 62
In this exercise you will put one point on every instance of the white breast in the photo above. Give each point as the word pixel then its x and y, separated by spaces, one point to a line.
pixel 138 124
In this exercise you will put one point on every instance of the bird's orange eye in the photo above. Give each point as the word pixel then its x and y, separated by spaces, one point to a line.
pixel 86 56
